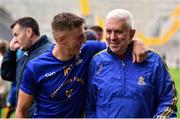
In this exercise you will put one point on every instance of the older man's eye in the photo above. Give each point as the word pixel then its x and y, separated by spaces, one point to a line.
pixel 108 31
pixel 119 31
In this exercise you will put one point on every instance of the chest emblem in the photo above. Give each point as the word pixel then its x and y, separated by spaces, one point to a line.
pixel 141 81
pixel 69 93
pixel 67 69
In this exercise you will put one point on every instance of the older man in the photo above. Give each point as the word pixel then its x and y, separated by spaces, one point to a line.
pixel 118 88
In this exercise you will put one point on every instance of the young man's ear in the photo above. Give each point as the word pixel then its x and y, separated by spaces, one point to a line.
pixel 132 33
pixel 59 38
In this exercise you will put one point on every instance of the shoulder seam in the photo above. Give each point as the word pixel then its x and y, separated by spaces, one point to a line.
pixel 100 52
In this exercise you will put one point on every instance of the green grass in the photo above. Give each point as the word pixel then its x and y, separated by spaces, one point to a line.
pixel 176 76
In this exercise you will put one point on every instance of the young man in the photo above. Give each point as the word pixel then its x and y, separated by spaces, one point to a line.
pixel 118 88
pixel 26 36
pixel 56 79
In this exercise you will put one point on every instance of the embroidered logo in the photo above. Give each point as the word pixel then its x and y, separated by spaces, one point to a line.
pixel 79 61
pixel 141 81
pixel 100 69
pixel 67 69
pixel 69 92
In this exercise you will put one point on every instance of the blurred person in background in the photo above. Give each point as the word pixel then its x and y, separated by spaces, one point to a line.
pixel 3 84
pixel 98 30
pixel 90 34
pixel 26 36
pixel 11 101
pixel 12 95
pixel 118 88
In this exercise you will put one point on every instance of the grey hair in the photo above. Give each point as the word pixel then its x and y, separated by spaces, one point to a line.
pixel 122 14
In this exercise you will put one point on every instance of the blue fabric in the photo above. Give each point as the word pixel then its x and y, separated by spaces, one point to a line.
pixel 12 94
pixel 59 86
pixel 120 89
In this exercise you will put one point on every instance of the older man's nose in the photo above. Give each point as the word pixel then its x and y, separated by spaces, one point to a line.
pixel 113 36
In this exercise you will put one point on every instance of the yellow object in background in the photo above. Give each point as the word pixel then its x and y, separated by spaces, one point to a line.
pixel 100 22
pixel 168 34
pixel 175 12
pixel 85 7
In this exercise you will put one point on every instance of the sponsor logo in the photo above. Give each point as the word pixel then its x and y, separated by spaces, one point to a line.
pixel 50 74
pixel 69 93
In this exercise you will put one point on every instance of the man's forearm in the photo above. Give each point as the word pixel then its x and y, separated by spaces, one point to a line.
pixel 21 114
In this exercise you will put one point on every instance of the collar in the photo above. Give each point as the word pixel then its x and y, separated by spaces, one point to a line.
pixel 43 39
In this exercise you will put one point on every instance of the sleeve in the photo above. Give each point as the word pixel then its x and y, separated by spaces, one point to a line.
pixel 29 84
pixel 165 92
pixel 91 93
pixel 8 66
pixel 94 47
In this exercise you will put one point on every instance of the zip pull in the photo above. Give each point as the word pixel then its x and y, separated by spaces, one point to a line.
pixel 123 63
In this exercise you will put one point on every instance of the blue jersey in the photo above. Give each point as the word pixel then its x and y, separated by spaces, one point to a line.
pixel 58 86
pixel 120 89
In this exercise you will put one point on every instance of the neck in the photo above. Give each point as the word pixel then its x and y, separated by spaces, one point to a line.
pixel 121 56
pixel 35 39
pixel 60 54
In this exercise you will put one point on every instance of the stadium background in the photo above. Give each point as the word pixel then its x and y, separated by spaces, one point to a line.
pixel 157 21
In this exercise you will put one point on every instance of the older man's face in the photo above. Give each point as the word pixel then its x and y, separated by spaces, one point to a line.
pixel 118 35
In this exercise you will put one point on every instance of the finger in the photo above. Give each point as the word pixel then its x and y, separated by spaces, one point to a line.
pixel 146 53
pixel 142 55
pixel 143 58
pixel 140 58
pixel 133 58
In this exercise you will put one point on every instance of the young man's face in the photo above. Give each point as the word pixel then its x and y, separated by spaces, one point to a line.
pixel 73 40
pixel 20 35
pixel 118 35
